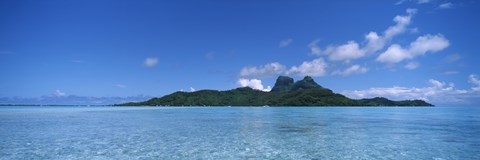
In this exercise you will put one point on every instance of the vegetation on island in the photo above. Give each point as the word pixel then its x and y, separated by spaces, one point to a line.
pixel 286 92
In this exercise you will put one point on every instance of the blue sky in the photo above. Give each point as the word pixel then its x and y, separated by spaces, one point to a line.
pixel 407 49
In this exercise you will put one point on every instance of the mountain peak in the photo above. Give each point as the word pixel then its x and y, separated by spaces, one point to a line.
pixel 307 78
pixel 306 83
pixel 283 84
pixel 286 84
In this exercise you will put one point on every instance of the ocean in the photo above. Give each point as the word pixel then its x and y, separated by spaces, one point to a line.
pixel 68 132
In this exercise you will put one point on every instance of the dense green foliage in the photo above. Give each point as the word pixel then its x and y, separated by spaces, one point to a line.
pixel 283 84
pixel 305 92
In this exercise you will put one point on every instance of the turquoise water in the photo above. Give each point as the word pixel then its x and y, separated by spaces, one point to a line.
pixel 239 133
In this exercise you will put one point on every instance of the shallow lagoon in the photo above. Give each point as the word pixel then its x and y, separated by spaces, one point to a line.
pixel 239 133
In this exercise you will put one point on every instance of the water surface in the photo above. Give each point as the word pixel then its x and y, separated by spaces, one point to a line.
pixel 239 133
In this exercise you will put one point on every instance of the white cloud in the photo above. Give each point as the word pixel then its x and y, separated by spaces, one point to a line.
pixel 428 43
pixel 354 69
pixel 422 45
pixel 395 53
pixel 447 5
pixel 314 48
pixel 121 86
pixel 412 65
pixel 345 52
pixel 401 24
pixel 192 89
pixel 268 89
pixel 254 84
pixel 473 79
pixel 314 68
pixel 395 93
pixel 285 42
pixel 267 70
pixel 150 62
pixel 436 83
pixel 437 93
pixel 374 42
pixel 58 93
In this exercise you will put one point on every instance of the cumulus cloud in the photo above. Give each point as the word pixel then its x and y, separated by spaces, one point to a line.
pixel 315 68
pixel 473 79
pixel 354 69
pixel 267 70
pixel 151 62
pixel 412 65
pixel 347 51
pixel 374 42
pixel 447 5
pixel 436 92
pixel 436 83
pixel 58 93
pixel 422 45
pixel 285 42
pixel 428 43
pixel 395 53
pixel 192 89
pixel 254 84
pixel 401 24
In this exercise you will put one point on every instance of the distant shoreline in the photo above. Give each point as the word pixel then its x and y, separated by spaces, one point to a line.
pixel 84 105
pixel 59 105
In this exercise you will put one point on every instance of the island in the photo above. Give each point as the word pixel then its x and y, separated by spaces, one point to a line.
pixel 285 92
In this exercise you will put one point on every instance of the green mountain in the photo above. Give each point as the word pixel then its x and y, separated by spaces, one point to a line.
pixel 286 92
pixel 286 84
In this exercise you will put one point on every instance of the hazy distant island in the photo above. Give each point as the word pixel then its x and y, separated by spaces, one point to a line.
pixel 285 92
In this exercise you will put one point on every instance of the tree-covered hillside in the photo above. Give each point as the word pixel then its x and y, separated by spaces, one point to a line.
pixel 305 92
